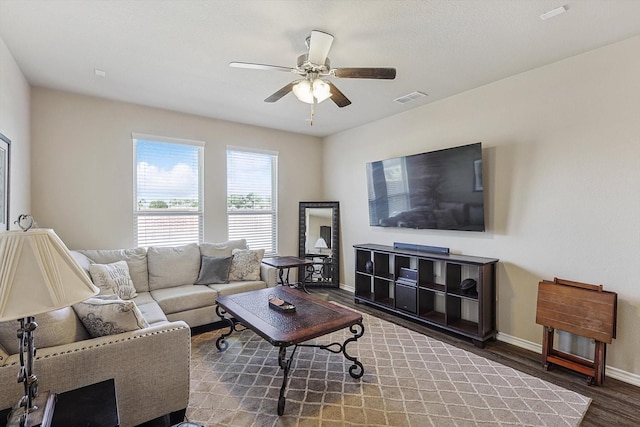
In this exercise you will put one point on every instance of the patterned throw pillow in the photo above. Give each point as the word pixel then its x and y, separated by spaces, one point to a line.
pixel 113 279
pixel 214 270
pixel 245 264
pixel 109 315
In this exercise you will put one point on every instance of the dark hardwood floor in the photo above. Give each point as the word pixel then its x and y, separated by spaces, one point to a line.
pixel 615 403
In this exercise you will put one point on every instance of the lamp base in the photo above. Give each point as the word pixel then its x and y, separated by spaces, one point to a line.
pixel 40 416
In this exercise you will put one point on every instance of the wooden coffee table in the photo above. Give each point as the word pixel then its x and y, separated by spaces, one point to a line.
pixel 312 318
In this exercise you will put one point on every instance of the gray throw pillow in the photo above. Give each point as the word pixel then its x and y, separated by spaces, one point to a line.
pixel 214 270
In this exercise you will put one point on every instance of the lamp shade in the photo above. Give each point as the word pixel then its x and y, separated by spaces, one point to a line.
pixel 38 274
pixel 321 244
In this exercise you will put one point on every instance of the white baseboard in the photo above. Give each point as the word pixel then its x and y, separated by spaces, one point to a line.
pixel 351 289
pixel 618 374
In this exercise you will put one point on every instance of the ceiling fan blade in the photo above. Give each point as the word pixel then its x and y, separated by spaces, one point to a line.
pixel 337 96
pixel 319 46
pixel 253 66
pixel 280 93
pixel 365 73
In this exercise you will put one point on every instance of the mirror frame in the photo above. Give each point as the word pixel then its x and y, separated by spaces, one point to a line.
pixel 335 238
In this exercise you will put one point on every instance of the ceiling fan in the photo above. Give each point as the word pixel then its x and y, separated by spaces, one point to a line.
pixel 314 66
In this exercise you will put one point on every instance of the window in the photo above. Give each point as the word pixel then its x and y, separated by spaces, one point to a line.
pixel 252 198
pixel 168 191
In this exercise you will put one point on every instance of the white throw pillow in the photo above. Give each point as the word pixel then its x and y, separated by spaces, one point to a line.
pixel 113 279
pixel 245 264
pixel 109 315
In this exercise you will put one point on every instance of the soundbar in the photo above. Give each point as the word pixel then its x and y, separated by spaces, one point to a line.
pixel 422 248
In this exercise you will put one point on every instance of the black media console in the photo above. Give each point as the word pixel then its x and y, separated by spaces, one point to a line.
pixel 452 292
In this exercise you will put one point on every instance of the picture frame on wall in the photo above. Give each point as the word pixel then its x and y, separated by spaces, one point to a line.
pixel 5 152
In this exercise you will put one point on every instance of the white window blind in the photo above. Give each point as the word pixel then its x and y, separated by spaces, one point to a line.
pixel 168 191
pixel 252 198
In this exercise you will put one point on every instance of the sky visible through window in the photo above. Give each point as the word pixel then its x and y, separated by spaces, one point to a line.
pixel 166 171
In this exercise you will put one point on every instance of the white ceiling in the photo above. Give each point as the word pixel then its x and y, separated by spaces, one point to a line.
pixel 175 54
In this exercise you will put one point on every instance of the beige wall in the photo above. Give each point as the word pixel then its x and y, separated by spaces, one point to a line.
pixel 562 183
pixel 14 124
pixel 83 167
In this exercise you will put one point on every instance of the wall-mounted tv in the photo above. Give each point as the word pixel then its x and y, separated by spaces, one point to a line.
pixel 436 190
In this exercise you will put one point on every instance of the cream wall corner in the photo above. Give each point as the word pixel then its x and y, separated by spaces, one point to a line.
pixel 562 163
pixel 14 124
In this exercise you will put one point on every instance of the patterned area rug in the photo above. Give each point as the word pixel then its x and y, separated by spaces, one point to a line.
pixel 409 380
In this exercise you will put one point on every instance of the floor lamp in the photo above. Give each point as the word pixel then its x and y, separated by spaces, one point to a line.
pixel 37 275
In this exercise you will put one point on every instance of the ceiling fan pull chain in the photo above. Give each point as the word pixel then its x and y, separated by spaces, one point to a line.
pixel 313 112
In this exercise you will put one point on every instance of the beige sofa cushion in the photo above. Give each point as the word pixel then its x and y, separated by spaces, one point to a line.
pixel 152 313
pixel 237 287
pixel 187 297
pixel 221 250
pixel 136 260
pixel 56 327
pixel 173 266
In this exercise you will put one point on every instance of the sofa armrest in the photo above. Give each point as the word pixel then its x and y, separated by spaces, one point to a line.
pixel 150 367
pixel 269 275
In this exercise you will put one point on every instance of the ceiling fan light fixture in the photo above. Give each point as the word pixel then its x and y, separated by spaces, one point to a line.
pixel 307 90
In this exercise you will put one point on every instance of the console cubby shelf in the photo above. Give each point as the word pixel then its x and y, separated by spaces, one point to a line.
pixel 433 294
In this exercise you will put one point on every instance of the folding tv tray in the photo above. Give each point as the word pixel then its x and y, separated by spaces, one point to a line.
pixel 581 309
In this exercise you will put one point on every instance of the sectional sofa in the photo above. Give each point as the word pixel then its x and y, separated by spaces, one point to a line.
pixel 147 349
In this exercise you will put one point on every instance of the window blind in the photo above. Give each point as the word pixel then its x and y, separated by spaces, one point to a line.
pixel 252 198
pixel 168 191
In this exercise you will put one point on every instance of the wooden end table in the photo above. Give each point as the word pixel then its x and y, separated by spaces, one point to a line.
pixel 283 263
pixel 313 318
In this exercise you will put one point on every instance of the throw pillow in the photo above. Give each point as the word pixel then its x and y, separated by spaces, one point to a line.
pixel 245 264
pixel 214 270
pixel 113 279
pixel 109 315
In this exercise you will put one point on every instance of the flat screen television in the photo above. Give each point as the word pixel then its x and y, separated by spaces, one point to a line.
pixel 440 189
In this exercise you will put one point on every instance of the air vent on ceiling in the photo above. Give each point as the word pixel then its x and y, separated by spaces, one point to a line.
pixel 410 97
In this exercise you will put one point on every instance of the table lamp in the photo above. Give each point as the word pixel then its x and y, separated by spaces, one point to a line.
pixel 37 275
pixel 321 244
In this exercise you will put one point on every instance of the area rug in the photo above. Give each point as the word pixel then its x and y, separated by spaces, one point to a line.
pixel 409 380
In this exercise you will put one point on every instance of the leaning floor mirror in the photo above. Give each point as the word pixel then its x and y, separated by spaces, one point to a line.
pixel 319 242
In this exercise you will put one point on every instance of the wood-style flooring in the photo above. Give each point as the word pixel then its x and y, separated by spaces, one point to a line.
pixel 615 403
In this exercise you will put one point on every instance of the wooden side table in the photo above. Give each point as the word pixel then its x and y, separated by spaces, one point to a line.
pixel 94 405
pixel 285 263
pixel 581 309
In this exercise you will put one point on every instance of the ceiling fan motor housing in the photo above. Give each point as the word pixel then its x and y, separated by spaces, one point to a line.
pixel 304 66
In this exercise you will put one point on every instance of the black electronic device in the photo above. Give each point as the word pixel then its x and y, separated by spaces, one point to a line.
pixel 440 189
pixel 468 287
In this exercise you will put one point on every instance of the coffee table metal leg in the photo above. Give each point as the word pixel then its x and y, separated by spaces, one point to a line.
pixel 285 364
pixel 356 370
pixel 221 343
